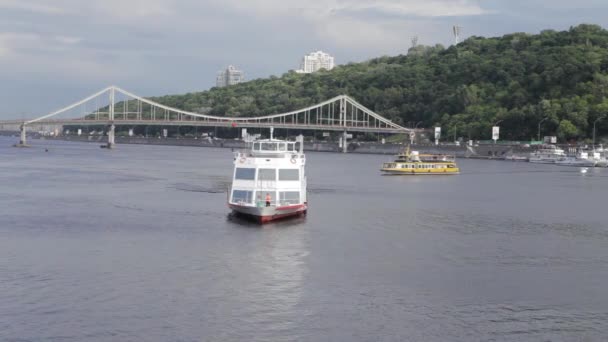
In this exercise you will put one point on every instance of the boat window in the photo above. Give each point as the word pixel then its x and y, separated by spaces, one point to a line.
pixel 289 174
pixel 269 146
pixel 267 174
pixel 244 173
pixel 242 196
pixel 289 197
pixel 282 147
pixel 256 146
pixel 291 147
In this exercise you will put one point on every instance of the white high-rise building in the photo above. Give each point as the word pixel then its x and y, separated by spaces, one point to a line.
pixel 229 76
pixel 315 61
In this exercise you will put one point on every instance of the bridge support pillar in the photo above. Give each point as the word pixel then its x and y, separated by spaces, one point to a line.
pixel 344 142
pixel 23 139
pixel 111 135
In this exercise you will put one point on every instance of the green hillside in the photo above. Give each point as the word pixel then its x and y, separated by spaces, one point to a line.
pixel 518 78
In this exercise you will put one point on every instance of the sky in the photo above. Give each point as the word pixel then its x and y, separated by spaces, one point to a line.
pixel 53 53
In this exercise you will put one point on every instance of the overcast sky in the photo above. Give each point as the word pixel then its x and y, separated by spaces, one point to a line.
pixel 53 53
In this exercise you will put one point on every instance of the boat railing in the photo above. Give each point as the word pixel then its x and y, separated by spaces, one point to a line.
pixel 437 157
pixel 262 203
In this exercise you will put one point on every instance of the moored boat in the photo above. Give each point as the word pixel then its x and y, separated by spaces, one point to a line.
pixel 414 163
pixel 269 180
pixel 575 161
pixel 599 156
pixel 547 155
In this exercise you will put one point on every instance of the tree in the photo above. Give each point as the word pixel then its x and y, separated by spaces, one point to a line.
pixel 518 78
pixel 567 130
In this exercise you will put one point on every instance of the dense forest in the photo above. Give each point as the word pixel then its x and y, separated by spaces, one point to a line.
pixel 518 80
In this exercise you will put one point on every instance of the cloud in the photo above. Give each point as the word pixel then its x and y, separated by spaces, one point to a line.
pixel 31 6
pixel 371 36
pixel 322 8
pixel 49 55
pixel 11 42
pixel 67 40
pixel 115 9
pixel 360 24
pixel 428 8
pixel 133 9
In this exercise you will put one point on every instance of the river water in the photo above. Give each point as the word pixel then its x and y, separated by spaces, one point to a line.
pixel 136 244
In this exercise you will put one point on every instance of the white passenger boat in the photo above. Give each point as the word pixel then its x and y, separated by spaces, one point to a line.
pixel 547 155
pixel 269 180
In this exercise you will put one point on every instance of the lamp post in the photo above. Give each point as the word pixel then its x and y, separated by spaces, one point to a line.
pixel 594 122
pixel 541 121
pixel 413 133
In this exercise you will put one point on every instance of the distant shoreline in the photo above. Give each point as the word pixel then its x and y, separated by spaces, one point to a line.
pixel 493 152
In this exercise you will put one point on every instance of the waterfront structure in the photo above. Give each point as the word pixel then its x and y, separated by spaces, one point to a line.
pixel 341 113
pixel 316 61
pixel 230 76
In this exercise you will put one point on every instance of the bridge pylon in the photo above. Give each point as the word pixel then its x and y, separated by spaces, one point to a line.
pixel 344 141
pixel 111 137
pixel 23 138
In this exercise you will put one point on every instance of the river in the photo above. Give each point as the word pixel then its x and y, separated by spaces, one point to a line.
pixel 137 244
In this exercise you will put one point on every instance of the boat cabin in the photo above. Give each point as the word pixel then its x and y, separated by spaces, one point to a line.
pixel 271 173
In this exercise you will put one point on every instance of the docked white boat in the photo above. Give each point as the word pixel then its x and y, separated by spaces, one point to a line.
pixel 518 158
pixel 269 180
pixel 599 156
pixel 576 161
pixel 547 155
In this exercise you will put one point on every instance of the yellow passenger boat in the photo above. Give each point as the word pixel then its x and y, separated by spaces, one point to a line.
pixel 413 163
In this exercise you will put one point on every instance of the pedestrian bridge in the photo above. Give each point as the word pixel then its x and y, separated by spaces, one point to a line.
pixel 115 106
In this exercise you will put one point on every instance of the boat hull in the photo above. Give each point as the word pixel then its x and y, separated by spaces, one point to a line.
pixel 601 163
pixel 581 163
pixel 431 172
pixel 542 161
pixel 269 214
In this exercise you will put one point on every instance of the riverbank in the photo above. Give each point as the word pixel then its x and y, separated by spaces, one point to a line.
pixel 478 152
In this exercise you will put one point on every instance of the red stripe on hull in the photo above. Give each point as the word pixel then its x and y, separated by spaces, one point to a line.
pixel 291 207
pixel 268 214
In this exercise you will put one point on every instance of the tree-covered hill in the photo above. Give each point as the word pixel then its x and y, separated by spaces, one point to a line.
pixel 517 79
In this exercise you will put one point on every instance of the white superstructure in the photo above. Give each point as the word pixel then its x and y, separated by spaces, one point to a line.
pixel 269 180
